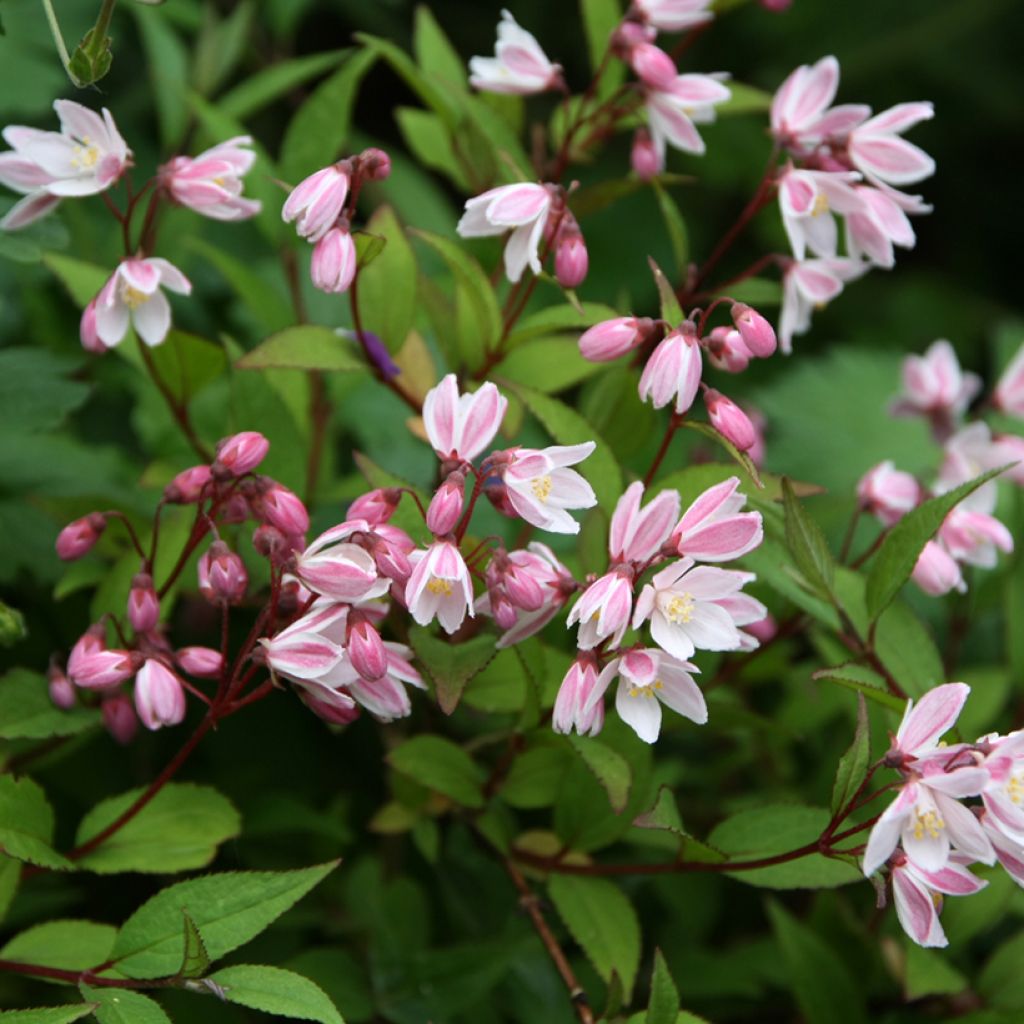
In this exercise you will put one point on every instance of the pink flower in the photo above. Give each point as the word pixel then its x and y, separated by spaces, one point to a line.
pixel 332 266
pixel 652 65
pixel 916 894
pixel 336 567
pixel 644 157
pixel 879 224
pixel 440 587
pixel 300 654
pixel 1009 852
pixel 934 385
pixel 967 454
pixel 376 506
pixel 800 114
pixel 603 610
pixel 972 536
pixel 540 487
pixel 365 648
pixel 637 535
pixel 240 453
pixel 683 605
pixel 1002 795
pixel 316 202
pixel 79 538
pixel 522 207
pixel 1009 390
pixel 610 339
pixel 132 296
pixel 673 111
pixel 92 666
pixel 807 200
pixel 27 177
pixel 758 335
pixel 888 493
pixel 674 15
pixel 649 678
pixel 460 427
pixel 519 65
pixel 445 508
pixel 573 707
pixel 385 697
pixel 809 285
pixel 211 183
pixel 936 571
pixel 878 152
pixel 730 420
pixel 714 529
pixel 672 371
pixel 159 695
pixel 143 604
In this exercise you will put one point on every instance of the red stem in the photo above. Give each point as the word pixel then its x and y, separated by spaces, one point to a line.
pixel 179 410
pixel 673 425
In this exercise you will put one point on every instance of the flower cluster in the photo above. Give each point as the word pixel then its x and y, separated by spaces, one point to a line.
pixel 938 390
pixel 927 836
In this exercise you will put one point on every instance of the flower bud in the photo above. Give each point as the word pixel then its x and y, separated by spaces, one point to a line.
pixel 777 6
pixel 504 611
pixel 374 164
pixel 571 260
pixel 376 506
pixel 62 693
pixel 87 332
pixel 203 662
pixel 644 156
pixel 764 629
pixel 446 506
pixel 222 575
pixel 365 648
pixel 613 338
pixel 1010 448
pixel 240 454
pixel 92 666
pixel 235 510
pixel 339 710
pixel 391 560
pixel 187 487
pixel 78 538
pixel 758 335
pixel 652 65
pixel 143 604
pixel 730 420
pixel 284 509
pixel 333 264
pixel 936 571
pixel 159 695
pixel 888 493
pixel 119 718
pixel 726 350
pixel 522 589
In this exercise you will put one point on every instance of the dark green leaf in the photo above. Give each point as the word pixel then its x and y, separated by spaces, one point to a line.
pixel 807 545
pixel 929 973
pixel 853 765
pixel 277 991
pixel 196 961
pixel 675 226
pixel 671 311
pixel 534 778
pixel 26 711
pixel 35 392
pixel 66 944
pixel 47 1014
pixel 26 823
pixel 610 768
pixel 451 666
pixel 387 288
pixel 91 59
pixel 123 1006
pixel 275 81
pixel 864 681
pixel 663 1007
pixel 434 52
pixel 1001 981
pixel 167 61
pixel 442 766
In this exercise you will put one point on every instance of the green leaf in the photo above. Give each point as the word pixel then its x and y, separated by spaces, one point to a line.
pixel 196 961
pixel 929 973
pixel 853 765
pixel 559 318
pixel 744 99
pixel 123 1006
pixel 317 133
pixel 898 555
pixel 10 874
pixel 675 226
pixel 35 392
pixel 864 681
pixel 178 830
pixel 307 347
pixel 82 280
pixel 663 1006
pixel 228 908
pixel 741 458
pixel 387 288
pixel 48 1014
pixel 442 766
pixel 603 923
pixel 451 666
pixel 26 711
pixel 26 823
pixel 430 141
pixel 824 989
pixel 671 311
pixel 566 426
pixel 68 945
pixel 91 59
pixel 1001 981
pixel 534 778
pixel 610 768
pixel 600 17
pixel 186 363
pixel 664 816
pixel 275 81
pixel 274 990
pixel 548 364
pixel 807 544
pixel 434 52
pixel 167 61
pixel 771 829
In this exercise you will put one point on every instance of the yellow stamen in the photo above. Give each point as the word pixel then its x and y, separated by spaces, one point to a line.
pixel 439 586
pixel 680 608
pixel 820 205
pixel 1015 789
pixel 641 691
pixel 541 487
pixel 929 823
pixel 85 155
pixel 133 298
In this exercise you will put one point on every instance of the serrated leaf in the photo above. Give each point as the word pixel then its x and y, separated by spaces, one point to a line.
pixel 863 680
pixel 69 945
pixel 10 875
pixel 807 544
pixel 896 558
pixel 534 778
pixel 178 830
pixel 451 666
pixel 228 908
pixel 26 823
pixel 853 765
pixel 35 390
pixel 671 311
pixel 664 816
pixel 603 923
pixel 442 766
pixel 277 991
pixel 47 1014
pixel 123 1006
pixel 196 961
pixel 26 711
pixel 610 768
pixel 307 347
pixel 663 1006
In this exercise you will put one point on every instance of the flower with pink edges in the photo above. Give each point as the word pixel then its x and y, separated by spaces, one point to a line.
pixel 332 267
pixel 674 15
pixel 674 111
pixel 672 371
pixel 879 224
pixel 649 678
pixel 918 895
pixel 934 385
pixel 336 567
pixel 203 662
pixel 541 487
pixel 460 427
pixel 283 508
pixel 573 708
pixel 440 587
pixel 888 493
pixel 652 65
pixel 807 200
pixel 715 528
pixel 801 116
pixel 159 695
pixel 808 285
pixel 610 339
pixel 93 666
pixel 730 420
pixel 519 66
pixel 936 571
pixel 522 208
pixel 603 610
pixel 1008 395
pixel 636 533
pixel 972 535
pixel 317 201
pixel 879 152
pixel 445 508
pixel 133 297
pixel 211 183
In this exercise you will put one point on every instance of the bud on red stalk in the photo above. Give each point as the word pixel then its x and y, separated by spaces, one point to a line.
pixel 652 65
pixel 119 718
pixel 143 604
pixel 222 575
pixel 239 454
pixel 730 420
pixel 758 335
pixel 284 509
pixel 375 164
pixel 78 538
pixel 726 350
pixel 203 662
pixel 522 589
pixel 504 612
pixel 187 487
pixel 87 332
pixel 644 157
pixel 571 260
pixel 446 506
pixel 613 338
pixel 159 696
pixel 375 506
pixel 365 648
pixel 62 693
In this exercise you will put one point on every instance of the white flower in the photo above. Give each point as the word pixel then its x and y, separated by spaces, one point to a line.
pixel 674 111
pixel 540 488
pixel 519 65
pixel 132 295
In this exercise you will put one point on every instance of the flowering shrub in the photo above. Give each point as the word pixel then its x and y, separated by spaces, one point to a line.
pixel 422 573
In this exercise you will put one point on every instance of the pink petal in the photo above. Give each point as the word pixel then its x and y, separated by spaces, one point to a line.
pixel 933 715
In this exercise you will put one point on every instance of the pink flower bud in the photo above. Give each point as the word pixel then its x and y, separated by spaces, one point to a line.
pixel 888 493
pixel 236 509
pixel 143 604
pixel 758 335
pixel 271 543
pixel 571 260
pixel 159 695
pixel 1010 448
pixel 222 575
pixel 630 34
pixel 375 164
pixel 375 506
pixel 613 338
pixel 204 662
pixel 78 538
pixel 240 454
pixel 62 693
pixel 338 710
pixel 936 571
pixel 653 66
pixel 90 338
pixel 522 589
pixel 391 560
pixel 730 420
pixel 446 506
pixel 763 630
pixel 119 718
pixel 504 612
pixel 333 264
pixel 317 201
pixel 284 509
pixel 644 157
pixel 188 486
pixel 365 648
pixel 726 350
pixel 101 669
pixel 776 6
pixel 673 371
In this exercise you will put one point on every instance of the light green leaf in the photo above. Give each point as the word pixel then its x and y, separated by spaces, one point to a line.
pixel 275 81
pixel 82 280
pixel 547 364
pixel 186 363
pixel 178 830
pixel 167 59
pixel 853 765
pixel 123 1006
pixel 387 287
pixel 196 961
pixel 1001 981
pixel 274 990
pixel 671 311
pixel 451 666
pixel 744 99
pixel 807 545
pixel 48 1014
pixel 603 923
pixel 600 17
pixel 862 680
pixel 430 141
pixel 929 973
pixel 26 823
pixel 10 874
pixel 307 347
pixel 559 318
pixel 741 458
pixel 609 767
pixel 663 1006
pixel 228 908
pixel 442 766
pixel 26 711
pixel 68 945
pixel 675 226
pixel 434 52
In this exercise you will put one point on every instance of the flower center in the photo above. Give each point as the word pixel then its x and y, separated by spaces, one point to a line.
pixel 133 298
pixel 646 691
pixel 820 205
pixel 541 486
pixel 929 824
pixel 439 586
pixel 680 608
pixel 85 156
pixel 1015 789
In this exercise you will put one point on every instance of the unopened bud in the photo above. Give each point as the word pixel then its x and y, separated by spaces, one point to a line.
pixel 78 538
pixel 652 65
pixel 375 506
pixel 143 604
pixel 188 486
pixel 644 156
pixel 87 332
pixel 758 335
pixel 62 693
pixel 571 260
pixel 332 266
pixel 284 509
pixel 727 350
pixel 203 662
pixel 240 454
pixel 504 611
pixel 730 420
pixel 522 589
pixel 446 506
pixel 366 649
pixel 613 338
pixel 375 164
pixel 159 695
pixel 119 718
pixel 222 575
